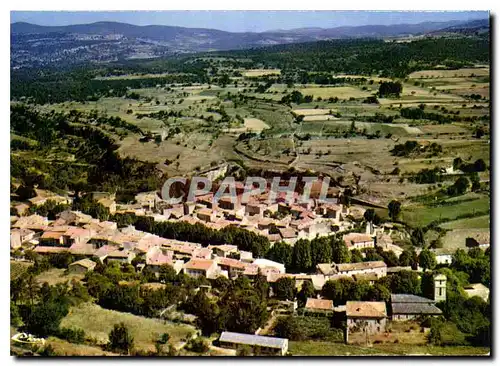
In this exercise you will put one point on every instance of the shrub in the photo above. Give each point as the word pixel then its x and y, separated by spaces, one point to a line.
pixel 72 335
pixel 198 345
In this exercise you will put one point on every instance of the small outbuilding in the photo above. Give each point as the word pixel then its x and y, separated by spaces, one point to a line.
pixel 266 345
pixel 81 266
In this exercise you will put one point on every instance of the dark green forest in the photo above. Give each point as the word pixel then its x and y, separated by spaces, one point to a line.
pixel 300 63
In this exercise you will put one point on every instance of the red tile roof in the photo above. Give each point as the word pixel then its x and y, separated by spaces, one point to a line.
pixel 199 264
pixel 319 304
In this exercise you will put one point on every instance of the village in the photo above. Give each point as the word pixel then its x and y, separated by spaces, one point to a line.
pixel 92 241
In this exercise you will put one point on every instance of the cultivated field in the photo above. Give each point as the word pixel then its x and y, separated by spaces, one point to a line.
pixel 260 72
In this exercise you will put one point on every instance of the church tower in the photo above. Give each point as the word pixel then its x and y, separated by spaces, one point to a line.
pixel 439 288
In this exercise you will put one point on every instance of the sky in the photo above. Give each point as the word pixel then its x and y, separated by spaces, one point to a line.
pixel 243 21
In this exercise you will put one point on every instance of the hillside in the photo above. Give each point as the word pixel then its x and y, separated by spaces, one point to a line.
pixel 35 45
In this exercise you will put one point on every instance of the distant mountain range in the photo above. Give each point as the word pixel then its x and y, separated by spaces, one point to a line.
pixel 33 44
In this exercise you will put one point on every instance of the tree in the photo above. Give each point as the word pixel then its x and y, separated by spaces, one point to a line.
pixel 167 273
pixel 408 258
pixel 356 256
pixel 281 253
pixel 389 88
pixel 479 165
pixel 394 209
pixel 15 318
pixel 379 292
pixel 457 162
pixel 284 288
pixel 306 291
pixel 369 214
pixel 405 282
pixel 25 192
pixel 371 254
pixel 45 317
pixel 242 311
pixel 120 339
pixel 417 237
pixel 321 251
pixel 445 334
pixel 338 291
pixel 427 259
pixel 340 253
pixel 289 327
pixel 302 260
pixel 261 285
pixel 390 258
pixel 460 186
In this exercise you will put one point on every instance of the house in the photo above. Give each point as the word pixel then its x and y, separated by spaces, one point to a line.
pixel 21 208
pixel 384 241
pixel 103 252
pixel 109 204
pixel 40 249
pixel 43 196
pixel 223 250
pixel 201 268
pixel 69 217
pixel 477 289
pixel 229 203
pixel 368 317
pixel 331 211
pixel 52 238
pixel 121 255
pixel 246 257
pixel 147 200
pixel 35 222
pixel 87 249
pixel 288 235
pixel 266 345
pixel 189 207
pixel 233 267
pixel 379 268
pixel 255 209
pixel 266 263
pixel 20 236
pixel 371 277
pixel 206 214
pixel 77 235
pixel 478 240
pixel 156 257
pixel 444 258
pixel 318 306
pixel 81 266
pixel 406 307
pixel 358 241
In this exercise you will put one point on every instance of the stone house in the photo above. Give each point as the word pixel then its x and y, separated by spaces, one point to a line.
pixel 368 317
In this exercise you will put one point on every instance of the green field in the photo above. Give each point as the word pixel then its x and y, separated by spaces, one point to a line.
pixel 481 222
pixel 321 348
pixel 418 215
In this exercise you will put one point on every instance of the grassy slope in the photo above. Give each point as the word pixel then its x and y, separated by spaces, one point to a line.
pixel 98 322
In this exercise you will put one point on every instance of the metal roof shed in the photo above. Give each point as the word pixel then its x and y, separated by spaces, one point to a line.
pixel 255 340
